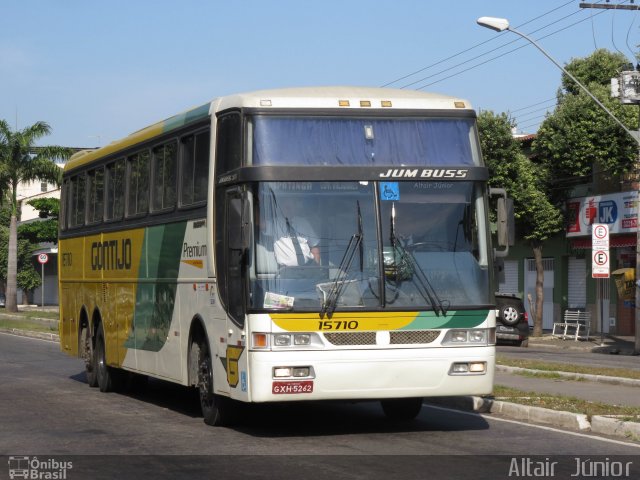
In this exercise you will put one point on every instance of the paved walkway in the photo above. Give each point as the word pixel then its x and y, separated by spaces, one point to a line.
pixel 615 353
pixel 584 390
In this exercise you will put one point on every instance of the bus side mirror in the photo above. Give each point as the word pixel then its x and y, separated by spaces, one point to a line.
pixel 505 221
pixel 238 222
pixel 506 233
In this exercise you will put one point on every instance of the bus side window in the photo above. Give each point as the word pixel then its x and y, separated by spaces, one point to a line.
pixel 194 168
pixel 77 208
pixel 95 186
pixel 228 143
pixel 138 183
pixel 64 205
pixel 114 191
pixel 164 165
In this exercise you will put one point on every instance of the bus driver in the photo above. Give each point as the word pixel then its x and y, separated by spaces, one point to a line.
pixel 297 243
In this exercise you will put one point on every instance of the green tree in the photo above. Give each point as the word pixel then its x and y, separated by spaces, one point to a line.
pixel 579 135
pixel 21 161
pixel 537 219
pixel 45 230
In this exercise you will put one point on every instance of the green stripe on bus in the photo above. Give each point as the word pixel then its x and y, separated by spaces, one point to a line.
pixel 155 301
pixel 185 118
pixel 453 319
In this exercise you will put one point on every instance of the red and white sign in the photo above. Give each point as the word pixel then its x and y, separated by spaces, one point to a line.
pixel 43 258
pixel 619 211
pixel 600 252
pixel 303 386
pixel 600 236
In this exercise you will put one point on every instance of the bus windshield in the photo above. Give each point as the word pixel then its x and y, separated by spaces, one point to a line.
pixel 326 246
pixel 366 141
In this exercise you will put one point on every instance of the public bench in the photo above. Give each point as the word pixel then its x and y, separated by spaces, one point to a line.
pixel 576 324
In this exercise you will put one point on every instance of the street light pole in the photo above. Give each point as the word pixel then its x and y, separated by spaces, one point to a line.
pixel 502 24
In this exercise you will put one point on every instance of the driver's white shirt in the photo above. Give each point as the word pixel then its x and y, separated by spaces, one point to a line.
pixel 283 248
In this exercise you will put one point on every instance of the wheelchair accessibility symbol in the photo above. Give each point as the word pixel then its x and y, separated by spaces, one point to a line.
pixel 389 191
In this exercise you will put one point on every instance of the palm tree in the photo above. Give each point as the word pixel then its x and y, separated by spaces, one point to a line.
pixel 22 161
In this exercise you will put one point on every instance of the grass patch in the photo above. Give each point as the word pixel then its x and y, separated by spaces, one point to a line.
pixel 567 367
pixel 28 324
pixel 547 375
pixel 565 404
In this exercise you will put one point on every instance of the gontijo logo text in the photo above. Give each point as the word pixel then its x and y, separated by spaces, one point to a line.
pixel 111 255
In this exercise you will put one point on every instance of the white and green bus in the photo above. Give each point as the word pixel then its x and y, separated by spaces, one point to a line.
pixel 286 245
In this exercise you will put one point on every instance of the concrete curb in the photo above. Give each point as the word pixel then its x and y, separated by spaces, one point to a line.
pixel 615 427
pixel 629 382
pixel 573 421
pixel 51 337
pixel 603 425
pixel 11 316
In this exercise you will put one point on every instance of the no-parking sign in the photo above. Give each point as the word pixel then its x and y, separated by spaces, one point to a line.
pixel 600 250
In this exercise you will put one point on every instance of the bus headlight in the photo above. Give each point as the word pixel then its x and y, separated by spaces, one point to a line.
pixel 468 368
pixel 285 340
pixel 469 337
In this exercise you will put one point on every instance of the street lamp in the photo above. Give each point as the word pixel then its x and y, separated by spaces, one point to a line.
pixel 502 24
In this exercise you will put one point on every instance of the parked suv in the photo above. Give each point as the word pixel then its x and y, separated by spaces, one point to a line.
pixel 512 324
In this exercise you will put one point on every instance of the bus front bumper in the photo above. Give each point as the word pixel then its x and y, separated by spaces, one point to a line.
pixel 370 374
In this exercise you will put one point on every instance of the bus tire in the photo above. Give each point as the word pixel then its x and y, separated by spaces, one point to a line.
pixel 88 354
pixel 402 409
pixel 109 379
pixel 217 411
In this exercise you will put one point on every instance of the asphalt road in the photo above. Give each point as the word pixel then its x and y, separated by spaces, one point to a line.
pixel 47 409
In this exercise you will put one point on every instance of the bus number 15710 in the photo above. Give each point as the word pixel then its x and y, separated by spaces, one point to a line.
pixel 337 325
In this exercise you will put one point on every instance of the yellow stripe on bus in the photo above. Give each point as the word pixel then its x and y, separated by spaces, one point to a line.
pixel 354 321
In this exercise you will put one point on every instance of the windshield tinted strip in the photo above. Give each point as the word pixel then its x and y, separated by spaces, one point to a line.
pixel 384 173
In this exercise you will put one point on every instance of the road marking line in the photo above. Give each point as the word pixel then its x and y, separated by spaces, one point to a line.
pixel 533 425
pixel 24 336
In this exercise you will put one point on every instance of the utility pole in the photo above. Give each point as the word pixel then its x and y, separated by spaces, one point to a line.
pixel 502 24
pixel 626 88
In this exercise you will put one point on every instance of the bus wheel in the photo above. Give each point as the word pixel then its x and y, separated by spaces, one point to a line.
pixel 216 410
pixel 402 408
pixel 109 379
pixel 89 356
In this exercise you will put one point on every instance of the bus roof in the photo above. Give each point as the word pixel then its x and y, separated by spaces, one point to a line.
pixel 304 97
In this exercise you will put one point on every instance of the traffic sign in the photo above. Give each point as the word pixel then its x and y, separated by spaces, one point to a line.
pixel 43 258
pixel 600 236
pixel 600 263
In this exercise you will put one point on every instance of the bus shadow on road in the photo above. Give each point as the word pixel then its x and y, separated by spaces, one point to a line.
pixel 303 419
pixel 306 419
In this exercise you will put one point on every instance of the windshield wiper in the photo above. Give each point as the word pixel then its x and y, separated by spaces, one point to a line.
pixel 424 286
pixel 355 243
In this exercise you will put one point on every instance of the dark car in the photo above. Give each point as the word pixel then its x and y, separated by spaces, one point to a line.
pixel 512 324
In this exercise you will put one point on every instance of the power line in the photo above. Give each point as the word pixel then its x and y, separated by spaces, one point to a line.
pixel 503 54
pixel 533 105
pixel 490 51
pixel 471 48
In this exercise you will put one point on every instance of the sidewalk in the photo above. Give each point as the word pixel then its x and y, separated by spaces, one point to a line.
pixel 610 344
pixel 607 390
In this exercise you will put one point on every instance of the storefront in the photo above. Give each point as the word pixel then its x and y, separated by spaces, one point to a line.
pixel 619 212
